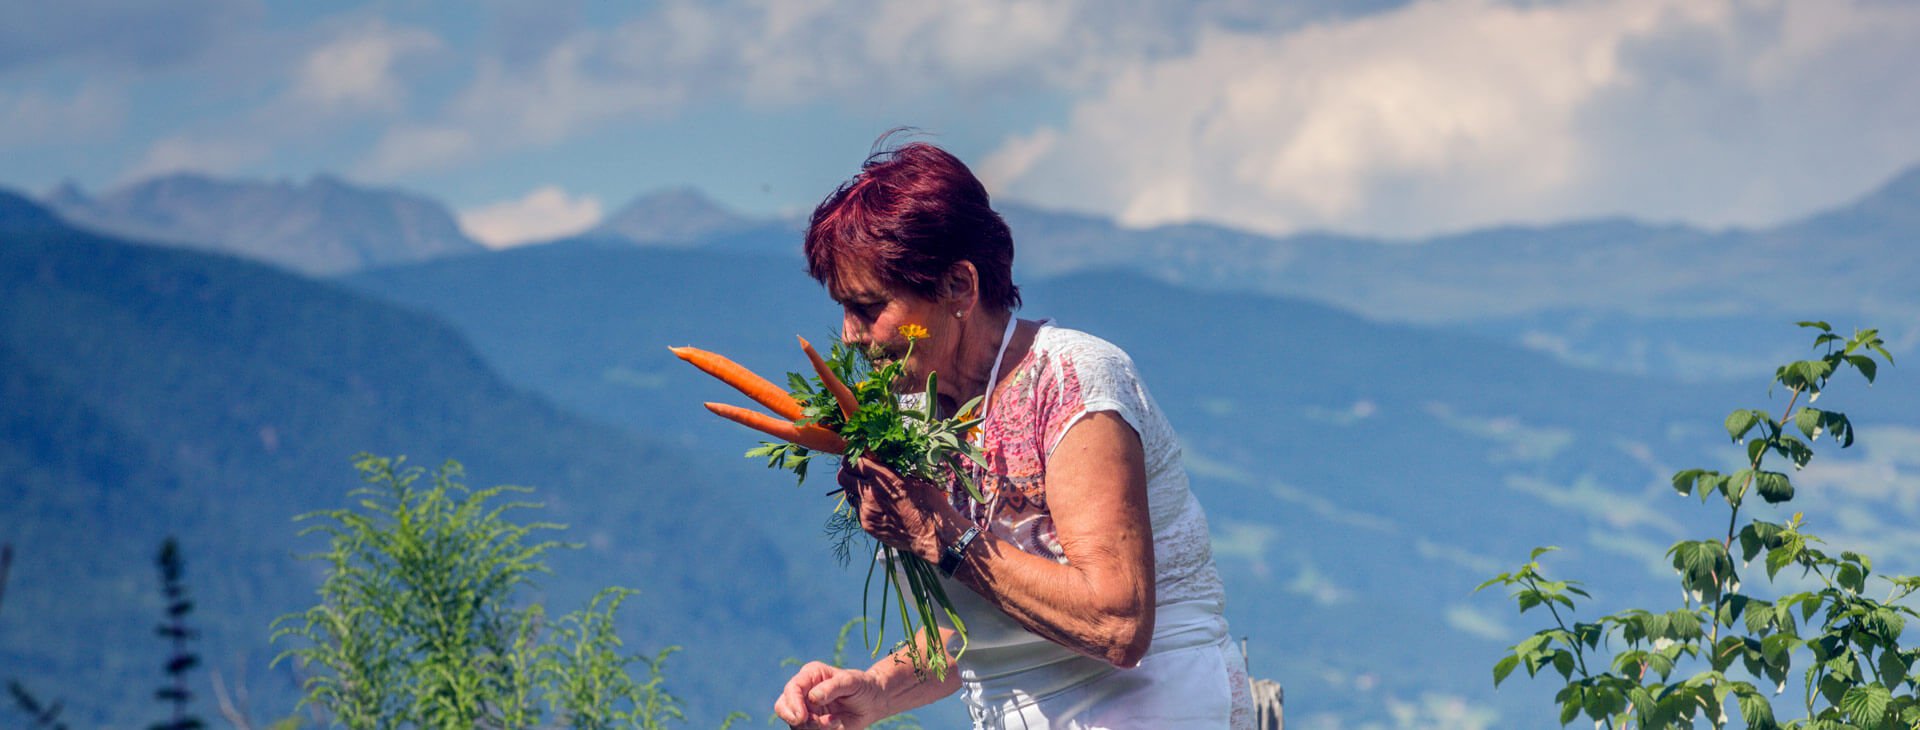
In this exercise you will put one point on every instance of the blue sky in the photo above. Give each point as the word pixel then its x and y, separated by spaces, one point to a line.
pixel 1399 119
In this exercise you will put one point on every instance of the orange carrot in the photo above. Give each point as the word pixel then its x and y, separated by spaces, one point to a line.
pixel 841 393
pixel 765 393
pixel 812 437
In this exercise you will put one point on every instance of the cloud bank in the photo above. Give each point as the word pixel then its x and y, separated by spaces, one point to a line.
pixel 1454 113
pixel 544 214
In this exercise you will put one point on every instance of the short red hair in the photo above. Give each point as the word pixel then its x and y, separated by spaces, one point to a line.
pixel 911 214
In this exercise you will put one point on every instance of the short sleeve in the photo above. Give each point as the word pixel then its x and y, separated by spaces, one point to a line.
pixel 1086 377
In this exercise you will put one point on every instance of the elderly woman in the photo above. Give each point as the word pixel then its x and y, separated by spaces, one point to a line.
pixel 1085 580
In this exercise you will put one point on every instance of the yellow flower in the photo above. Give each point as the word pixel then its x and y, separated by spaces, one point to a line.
pixel 913 332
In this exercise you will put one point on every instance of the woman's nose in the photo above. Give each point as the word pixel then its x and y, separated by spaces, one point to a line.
pixel 850 331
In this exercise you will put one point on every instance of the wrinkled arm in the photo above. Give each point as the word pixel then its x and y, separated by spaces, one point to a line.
pixel 1101 601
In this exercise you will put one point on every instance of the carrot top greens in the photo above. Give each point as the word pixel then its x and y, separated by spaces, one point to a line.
pixel 912 441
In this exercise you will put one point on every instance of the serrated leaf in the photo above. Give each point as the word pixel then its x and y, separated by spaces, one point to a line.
pixel 1807 420
pixel 1774 486
pixel 1866 704
pixel 1777 649
pixel 1851 578
pixel 1756 710
pixel 1683 481
pixel 1865 365
pixel 1740 422
pixel 1503 668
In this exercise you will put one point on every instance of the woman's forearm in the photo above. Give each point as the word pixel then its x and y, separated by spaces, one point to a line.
pixel 903 689
pixel 1102 612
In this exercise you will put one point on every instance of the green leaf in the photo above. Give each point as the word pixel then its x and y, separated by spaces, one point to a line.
pixel 1808 419
pixel 1865 365
pixel 1822 326
pixel 1780 557
pixel 1774 487
pixel 1740 422
pixel 1777 649
pixel 1757 711
pixel 1539 551
pixel 1504 667
pixel 1683 481
pixel 1851 578
pixel 1866 705
pixel 1563 663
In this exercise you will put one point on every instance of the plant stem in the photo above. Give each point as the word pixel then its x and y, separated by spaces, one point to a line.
pixel 1733 522
pixel 1579 657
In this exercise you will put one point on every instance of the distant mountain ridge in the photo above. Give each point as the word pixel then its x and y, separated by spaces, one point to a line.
pixel 1542 286
pixel 677 216
pixel 322 226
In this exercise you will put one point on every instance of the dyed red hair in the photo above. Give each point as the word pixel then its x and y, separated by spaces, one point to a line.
pixel 909 216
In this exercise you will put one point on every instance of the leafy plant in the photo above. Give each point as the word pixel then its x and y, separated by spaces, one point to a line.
pixel 915 442
pixel 177 634
pixel 1625 669
pixel 418 624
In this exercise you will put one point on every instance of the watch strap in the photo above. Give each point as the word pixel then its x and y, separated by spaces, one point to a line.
pixel 951 556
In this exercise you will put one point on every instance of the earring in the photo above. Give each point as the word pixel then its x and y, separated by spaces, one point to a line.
pixel 959 315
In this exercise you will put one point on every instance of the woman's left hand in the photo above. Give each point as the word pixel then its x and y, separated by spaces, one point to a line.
pixel 904 513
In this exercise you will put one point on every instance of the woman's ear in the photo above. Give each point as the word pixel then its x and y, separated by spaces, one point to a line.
pixel 962 286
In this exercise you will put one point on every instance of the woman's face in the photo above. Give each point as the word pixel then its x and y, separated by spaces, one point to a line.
pixel 872 315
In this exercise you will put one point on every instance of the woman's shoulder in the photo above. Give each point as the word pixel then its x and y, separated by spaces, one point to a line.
pixel 1064 343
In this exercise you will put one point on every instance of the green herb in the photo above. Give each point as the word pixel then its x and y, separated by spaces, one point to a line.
pixel 915 443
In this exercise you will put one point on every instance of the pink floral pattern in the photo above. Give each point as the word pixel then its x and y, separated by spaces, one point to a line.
pixel 1032 408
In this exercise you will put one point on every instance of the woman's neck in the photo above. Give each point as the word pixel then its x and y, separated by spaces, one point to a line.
pixel 980 340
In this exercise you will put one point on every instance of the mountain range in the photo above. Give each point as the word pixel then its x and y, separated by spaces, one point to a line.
pixel 321 226
pixel 1613 293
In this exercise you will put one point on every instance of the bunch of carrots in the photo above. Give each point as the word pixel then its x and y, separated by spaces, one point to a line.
pixel 824 415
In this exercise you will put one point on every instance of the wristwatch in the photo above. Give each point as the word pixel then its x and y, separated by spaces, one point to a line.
pixel 951 556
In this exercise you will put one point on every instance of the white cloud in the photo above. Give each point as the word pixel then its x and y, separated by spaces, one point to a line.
pixel 544 214
pixel 1452 113
pixel 355 69
pixel 770 54
pixel 184 153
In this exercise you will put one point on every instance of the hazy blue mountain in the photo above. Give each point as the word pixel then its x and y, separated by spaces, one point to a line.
pixel 1361 476
pixel 679 216
pixel 152 391
pixel 1612 293
pixel 1855 257
pixel 322 226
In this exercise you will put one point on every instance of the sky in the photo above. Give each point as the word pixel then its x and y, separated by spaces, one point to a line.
pixel 1372 117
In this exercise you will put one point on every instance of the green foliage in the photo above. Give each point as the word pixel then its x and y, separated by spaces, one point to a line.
pixel 915 443
pixel 1840 642
pixel 418 625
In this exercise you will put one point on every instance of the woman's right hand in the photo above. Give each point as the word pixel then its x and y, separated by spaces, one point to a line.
pixel 824 697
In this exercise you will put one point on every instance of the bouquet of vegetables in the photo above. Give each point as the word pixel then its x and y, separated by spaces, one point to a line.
pixel 823 414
